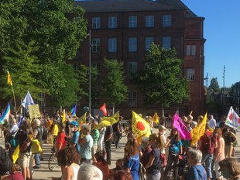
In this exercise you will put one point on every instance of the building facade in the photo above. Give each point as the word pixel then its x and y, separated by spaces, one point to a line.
pixel 125 29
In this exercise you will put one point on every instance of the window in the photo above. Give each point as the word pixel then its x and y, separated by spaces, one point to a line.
pixel 132 21
pixel 149 21
pixel 112 22
pixel 148 42
pixel 95 45
pixel 96 22
pixel 132 69
pixel 191 50
pixel 112 44
pixel 132 98
pixel 190 74
pixel 166 42
pixel 132 44
pixel 166 20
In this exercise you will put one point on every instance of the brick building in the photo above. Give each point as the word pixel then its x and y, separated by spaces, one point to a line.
pixel 125 29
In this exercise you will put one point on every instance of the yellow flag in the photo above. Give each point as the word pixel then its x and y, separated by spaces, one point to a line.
pixel 113 119
pixel 83 118
pixel 36 147
pixel 140 127
pixel 16 154
pixel 64 116
pixel 116 116
pixel 198 131
pixel 55 130
pixel 155 118
pixel 103 123
pixel 9 79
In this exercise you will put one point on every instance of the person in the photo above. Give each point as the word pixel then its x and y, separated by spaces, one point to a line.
pixel 119 172
pixel 102 164
pixel 86 144
pixel 108 141
pixel 207 145
pixel 69 160
pixel 101 139
pixel 15 173
pixel 163 141
pixel 212 122
pixel 133 160
pixel 175 149
pixel 75 136
pixel 13 131
pixel 89 172
pixel 230 168
pixel 229 139
pixel 61 139
pixel 196 170
pixel 24 142
pixel 152 158
pixel 219 153
pixel 117 131
pixel 95 135
pixel 37 134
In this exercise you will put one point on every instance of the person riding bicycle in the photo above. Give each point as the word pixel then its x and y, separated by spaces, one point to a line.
pixel 76 134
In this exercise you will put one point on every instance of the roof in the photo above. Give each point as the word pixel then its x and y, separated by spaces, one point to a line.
pixel 132 5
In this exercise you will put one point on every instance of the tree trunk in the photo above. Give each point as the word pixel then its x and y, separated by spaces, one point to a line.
pixel 113 109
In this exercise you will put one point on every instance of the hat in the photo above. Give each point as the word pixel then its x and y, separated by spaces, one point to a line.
pixel 161 127
pixel 37 122
pixel 74 123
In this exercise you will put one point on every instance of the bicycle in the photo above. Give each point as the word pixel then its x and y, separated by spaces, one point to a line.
pixel 52 161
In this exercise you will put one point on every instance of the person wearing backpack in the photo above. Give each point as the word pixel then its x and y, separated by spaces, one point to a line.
pixel 207 146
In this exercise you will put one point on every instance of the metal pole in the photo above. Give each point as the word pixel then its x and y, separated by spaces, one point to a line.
pixel 90 72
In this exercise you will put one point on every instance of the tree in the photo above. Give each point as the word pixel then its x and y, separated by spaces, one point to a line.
pixel 214 87
pixel 162 80
pixel 113 89
pixel 24 69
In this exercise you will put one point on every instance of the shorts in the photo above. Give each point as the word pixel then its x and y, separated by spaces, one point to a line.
pixel 25 159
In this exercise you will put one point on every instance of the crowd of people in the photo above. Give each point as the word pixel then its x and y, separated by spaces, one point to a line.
pixel 83 150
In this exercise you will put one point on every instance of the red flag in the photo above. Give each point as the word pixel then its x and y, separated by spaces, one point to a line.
pixel 104 109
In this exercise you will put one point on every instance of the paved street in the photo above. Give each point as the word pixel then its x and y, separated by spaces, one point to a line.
pixel 44 173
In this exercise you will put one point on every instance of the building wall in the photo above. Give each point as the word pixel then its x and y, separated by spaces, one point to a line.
pixel 184 31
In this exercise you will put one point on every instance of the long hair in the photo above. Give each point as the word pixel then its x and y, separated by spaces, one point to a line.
pixel 232 164
pixel 173 136
pixel 131 147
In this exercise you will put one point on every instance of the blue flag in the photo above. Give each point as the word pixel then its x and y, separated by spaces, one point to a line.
pixel 5 115
pixel 74 110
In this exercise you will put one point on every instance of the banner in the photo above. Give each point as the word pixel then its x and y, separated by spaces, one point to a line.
pixel 34 111
pixel 181 128
pixel 140 127
pixel 233 120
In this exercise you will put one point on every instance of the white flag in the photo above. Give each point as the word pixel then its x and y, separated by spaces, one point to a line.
pixel 233 119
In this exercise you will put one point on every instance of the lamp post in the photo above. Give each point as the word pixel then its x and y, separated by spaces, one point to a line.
pixel 90 72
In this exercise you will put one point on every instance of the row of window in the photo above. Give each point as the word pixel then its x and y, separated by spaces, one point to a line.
pixel 132 44
pixel 166 21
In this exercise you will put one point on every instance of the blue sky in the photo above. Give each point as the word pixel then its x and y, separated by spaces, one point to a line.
pixel 222 31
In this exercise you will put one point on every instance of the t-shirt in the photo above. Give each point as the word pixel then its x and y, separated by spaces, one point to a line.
pixel 196 172
pixel 133 164
pixel 175 146
pixel 75 139
pixel 61 140
pixel 86 148
pixel 95 135
pixel 155 168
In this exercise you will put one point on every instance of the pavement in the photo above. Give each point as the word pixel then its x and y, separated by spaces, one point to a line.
pixel 45 174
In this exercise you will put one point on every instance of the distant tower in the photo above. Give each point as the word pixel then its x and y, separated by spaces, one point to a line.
pixel 206 80
pixel 224 71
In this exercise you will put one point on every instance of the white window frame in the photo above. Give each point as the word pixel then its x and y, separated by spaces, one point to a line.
pixel 96 22
pixel 112 22
pixel 112 45
pixel 191 50
pixel 95 45
pixel 167 20
pixel 132 21
pixel 149 21
pixel 166 42
pixel 132 99
pixel 132 69
pixel 148 41
pixel 132 44
pixel 190 74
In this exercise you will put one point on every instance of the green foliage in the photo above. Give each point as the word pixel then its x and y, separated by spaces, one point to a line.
pixel 57 27
pixel 161 80
pixel 24 69
pixel 214 86
pixel 113 89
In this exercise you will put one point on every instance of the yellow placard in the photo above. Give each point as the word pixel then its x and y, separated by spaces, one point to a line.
pixel 34 111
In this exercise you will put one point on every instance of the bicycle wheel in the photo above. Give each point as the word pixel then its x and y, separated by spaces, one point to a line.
pixel 52 162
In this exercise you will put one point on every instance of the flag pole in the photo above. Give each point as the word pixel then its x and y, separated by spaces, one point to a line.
pixel 14 98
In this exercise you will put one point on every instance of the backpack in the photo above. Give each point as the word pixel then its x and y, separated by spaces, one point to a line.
pixel 5 162
pixel 207 144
